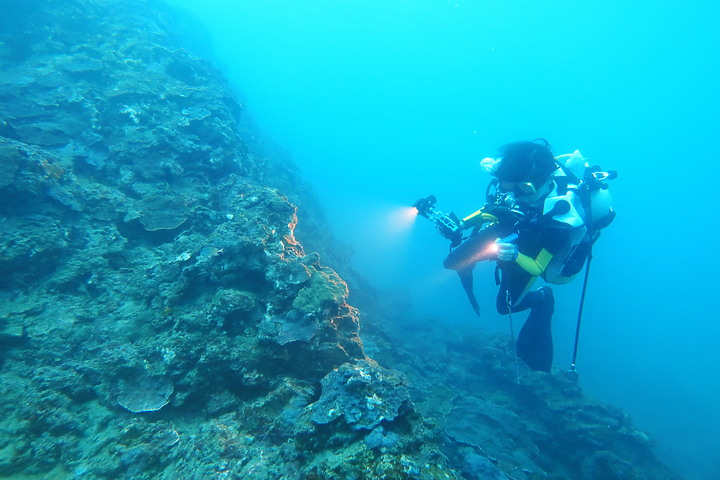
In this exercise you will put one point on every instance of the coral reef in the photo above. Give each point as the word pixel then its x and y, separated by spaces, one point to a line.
pixel 363 393
pixel 159 318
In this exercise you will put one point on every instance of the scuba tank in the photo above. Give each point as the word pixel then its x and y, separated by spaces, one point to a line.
pixel 590 187
pixel 585 189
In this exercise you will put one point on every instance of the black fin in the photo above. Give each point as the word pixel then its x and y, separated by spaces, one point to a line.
pixel 466 278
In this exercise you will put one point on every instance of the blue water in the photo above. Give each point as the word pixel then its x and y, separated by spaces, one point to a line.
pixel 384 101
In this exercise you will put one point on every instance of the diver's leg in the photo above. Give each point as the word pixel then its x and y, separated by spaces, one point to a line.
pixel 534 344
pixel 515 282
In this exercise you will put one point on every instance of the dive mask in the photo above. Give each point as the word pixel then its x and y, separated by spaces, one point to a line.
pixel 518 188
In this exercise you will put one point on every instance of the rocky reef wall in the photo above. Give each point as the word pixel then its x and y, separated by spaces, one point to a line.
pixel 160 319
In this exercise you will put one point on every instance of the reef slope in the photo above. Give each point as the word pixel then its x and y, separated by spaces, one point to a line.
pixel 160 319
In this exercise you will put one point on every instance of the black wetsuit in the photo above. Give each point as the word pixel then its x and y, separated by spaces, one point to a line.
pixel 538 242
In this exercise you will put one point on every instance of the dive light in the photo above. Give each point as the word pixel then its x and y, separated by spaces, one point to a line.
pixel 449 225
pixel 479 247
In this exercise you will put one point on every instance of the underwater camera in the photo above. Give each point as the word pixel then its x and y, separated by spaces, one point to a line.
pixel 449 225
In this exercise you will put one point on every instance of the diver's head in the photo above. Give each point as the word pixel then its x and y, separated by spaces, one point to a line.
pixel 525 169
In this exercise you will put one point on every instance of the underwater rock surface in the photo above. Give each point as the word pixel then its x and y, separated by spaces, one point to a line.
pixel 160 319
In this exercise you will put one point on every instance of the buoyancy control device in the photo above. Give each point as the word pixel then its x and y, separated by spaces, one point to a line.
pixel 584 189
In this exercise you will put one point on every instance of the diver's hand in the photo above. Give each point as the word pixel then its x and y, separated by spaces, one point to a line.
pixel 507 252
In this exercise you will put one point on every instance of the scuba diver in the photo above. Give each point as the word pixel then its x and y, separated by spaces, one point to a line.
pixel 542 216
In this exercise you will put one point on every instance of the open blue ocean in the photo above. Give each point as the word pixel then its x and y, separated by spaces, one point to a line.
pixel 383 102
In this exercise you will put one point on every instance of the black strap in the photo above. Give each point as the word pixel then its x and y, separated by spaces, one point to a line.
pixel 568 173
